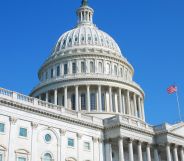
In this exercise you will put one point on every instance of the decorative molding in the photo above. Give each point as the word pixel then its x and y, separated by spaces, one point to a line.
pixel 34 125
pixel 62 132
pixel 13 120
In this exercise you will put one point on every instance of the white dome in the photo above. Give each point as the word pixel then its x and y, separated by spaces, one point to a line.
pixel 86 36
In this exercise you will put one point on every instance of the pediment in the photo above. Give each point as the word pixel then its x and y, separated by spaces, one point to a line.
pixel 178 129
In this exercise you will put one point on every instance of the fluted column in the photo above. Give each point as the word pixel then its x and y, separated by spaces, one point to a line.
pixel 11 149
pixel 182 154
pixel 168 152
pixel 121 150
pixel 139 106
pixel 156 156
pixel 65 97
pixel 55 96
pixel 139 149
pixel 124 106
pixel 175 152
pixel 34 141
pixel 62 144
pixel 148 152
pixel 135 104
pixel 128 102
pixel 99 98
pixel 79 146
pixel 88 98
pixel 110 99
pixel 108 151
pixel 142 106
pixel 47 96
pixel 101 147
pixel 76 98
pixel 120 101
pixel 96 149
pixel 130 150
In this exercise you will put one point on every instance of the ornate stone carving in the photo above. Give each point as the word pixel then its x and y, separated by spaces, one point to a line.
pixel 34 125
pixel 62 132
pixel 13 120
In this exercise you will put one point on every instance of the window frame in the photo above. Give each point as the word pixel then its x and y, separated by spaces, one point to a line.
pixel 3 132
pixel 74 67
pixel 83 67
pixel 26 132
pixel 70 146
pixel 65 68
pixel 87 148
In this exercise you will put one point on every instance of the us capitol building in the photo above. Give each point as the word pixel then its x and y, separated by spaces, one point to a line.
pixel 85 108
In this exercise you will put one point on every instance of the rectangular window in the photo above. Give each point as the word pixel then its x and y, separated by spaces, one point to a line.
pixel 58 71
pixel 65 68
pixel 83 101
pixel 83 69
pixel 21 159
pixel 70 142
pixel 23 132
pixel 74 68
pixel 52 73
pixel 73 101
pixel 93 101
pixel 2 127
pixel 1 157
pixel 46 75
pixel 92 69
pixel 87 146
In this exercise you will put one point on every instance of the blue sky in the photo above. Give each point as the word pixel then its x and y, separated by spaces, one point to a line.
pixel 149 33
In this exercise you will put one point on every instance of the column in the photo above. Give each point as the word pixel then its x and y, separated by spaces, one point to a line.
pixel 120 101
pixel 62 144
pixel 76 98
pixel 139 149
pixel 139 106
pixel 128 102
pixel 142 106
pixel 34 142
pixel 12 132
pixel 121 150
pixel 99 98
pixel 156 156
pixel 175 152
pixel 101 147
pixel 124 106
pixel 65 97
pixel 108 151
pixel 95 149
pixel 130 150
pixel 55 96
pixel 168 152
pixel 110 99
pixel 47 96
pixel 148 152
pixel 88 98
pixel 181 154
pixel 135 104
pixel 79 144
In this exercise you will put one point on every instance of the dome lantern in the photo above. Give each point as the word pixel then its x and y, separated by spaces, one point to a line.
pixel 85 14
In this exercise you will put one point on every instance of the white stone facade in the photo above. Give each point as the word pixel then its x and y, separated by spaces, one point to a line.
pixel 85 108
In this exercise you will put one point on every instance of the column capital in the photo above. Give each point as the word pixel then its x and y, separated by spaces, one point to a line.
pixel 62 131
pixel 79 135
pixel 130 140
pixel 34 125
pixel 121 137
pixel 100 140
pixel 95 139
pixel 139 142
pixel 13 120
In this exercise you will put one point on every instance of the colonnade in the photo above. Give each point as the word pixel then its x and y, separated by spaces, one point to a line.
pixel 147 149
pixel 115 99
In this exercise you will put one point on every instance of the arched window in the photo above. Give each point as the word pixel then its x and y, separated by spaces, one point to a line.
pixel 47 157
pixel 92 68
pixel 100 67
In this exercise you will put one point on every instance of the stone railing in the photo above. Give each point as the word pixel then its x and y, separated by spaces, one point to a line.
pixel 127 120
pixel 26 100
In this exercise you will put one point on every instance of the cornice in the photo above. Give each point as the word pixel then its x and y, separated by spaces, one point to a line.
pixel 45 113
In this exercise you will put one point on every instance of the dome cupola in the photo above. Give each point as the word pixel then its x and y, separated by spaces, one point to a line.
pixel 87 73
